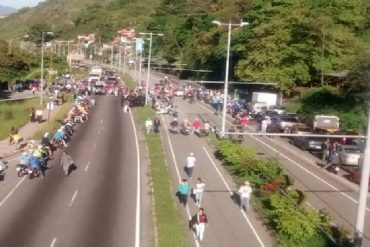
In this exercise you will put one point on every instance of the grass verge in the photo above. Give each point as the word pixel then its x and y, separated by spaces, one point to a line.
pixel 54 123
pixel 15 113
pixel 169 223
pixel 129 81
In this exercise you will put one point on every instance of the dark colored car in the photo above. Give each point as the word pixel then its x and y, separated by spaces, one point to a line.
pixel 308 142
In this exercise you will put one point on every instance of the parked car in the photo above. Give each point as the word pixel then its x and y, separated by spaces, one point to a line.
pixel 286 122
pixel 344 140
pixel 308 142
pixel 276 108
pixel 300 128
pixel 349 154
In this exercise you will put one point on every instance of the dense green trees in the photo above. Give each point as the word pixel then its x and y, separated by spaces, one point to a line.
pixel 289 42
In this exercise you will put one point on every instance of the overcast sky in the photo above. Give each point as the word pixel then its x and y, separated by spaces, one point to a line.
pixel 20 3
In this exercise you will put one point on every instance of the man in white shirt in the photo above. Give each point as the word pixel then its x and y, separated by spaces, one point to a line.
pixel 245 193
pixel 190 163
pixel 264 124
pixel 148 125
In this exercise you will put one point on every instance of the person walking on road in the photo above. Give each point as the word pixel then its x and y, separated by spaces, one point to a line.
pixel 157 124
pixel 148 125
pixel 183 191
pixel 200 223
pixel 264 124
pixel 245 193
pixel 66 162
pixel 198 191
pixel 190 163
pixel 325 146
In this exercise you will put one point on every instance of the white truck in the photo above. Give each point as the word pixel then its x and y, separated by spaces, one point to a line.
pixel 325 124
pixel 261 101
pixel 95 74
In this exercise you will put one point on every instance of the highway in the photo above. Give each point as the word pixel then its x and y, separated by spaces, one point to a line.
pixel 96 205
pixel 325 191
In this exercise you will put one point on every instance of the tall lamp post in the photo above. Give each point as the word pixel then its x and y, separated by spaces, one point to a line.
pixel 11 41
pixel 42 65
pixel 149 57
pixel 226 86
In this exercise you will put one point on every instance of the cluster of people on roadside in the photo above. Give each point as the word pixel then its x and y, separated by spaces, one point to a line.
pixel 330 156
pixel 36 155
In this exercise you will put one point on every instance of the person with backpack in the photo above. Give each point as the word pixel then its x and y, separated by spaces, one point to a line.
pixel 183 191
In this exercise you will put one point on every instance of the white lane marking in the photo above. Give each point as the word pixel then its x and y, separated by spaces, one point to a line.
pixel 296 164
pixel 73 198
pixel 138 189
pixel 101 121
pixel 12 191
pixel 86 168
pixel 231 193
pixel 53 242
pixel 178 173
pixel 99 131
pixel 311 173
pixel 94 147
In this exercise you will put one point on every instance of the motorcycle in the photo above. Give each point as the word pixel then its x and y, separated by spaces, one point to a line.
pixel 173 127
pixel 185 131
pixel 3 167
pixel 201 132
pixel 335 168
pixel 21 170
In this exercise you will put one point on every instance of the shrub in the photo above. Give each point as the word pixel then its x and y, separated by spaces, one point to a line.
pixel 234 154
pixel 297 223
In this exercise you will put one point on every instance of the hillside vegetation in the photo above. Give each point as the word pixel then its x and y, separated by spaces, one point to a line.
pixel 69 18
pixel 293 43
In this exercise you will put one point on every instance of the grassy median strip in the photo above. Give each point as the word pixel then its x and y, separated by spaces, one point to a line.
pixel 53 124
pixel 15 113
pixel 129 81
pixel 169 223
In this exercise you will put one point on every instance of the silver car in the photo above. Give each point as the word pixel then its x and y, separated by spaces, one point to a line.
pixel 349 154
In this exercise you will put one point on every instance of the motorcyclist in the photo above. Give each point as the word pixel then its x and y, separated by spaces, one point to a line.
pixel 35 162
pixel 45 142
pixel 58 136
pixel 39 152
pixel 24 158
pixel 174 123
pixel 31 146
pixel 196 125
pixel 207 126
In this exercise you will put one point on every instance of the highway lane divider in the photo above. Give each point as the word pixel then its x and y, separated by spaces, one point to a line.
pixel 169 227
pixel 232 193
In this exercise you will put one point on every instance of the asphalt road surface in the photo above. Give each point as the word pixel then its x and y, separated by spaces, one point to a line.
pixel 325 191
pixel 96 205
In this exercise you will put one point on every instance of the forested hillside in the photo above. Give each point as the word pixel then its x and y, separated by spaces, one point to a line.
pixel 69 18
pixel 288 42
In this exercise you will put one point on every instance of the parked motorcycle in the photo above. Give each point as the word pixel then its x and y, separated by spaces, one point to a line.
pixel 201 132
pixel 185 131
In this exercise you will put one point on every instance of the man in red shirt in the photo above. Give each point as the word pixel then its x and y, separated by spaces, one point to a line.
pixel 201 223
pixel 244 121
pixel 196 125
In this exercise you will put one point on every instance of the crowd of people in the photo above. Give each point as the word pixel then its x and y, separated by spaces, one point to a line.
pixel 33 161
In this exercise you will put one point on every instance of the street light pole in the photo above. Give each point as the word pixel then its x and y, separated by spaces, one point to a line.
pixel 42 65
pixel 11 41
pixel 149 58
pixel 42 68
pixel 226 86
pixel 364 186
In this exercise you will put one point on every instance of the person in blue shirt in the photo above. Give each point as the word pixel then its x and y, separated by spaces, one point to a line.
pixel 35 162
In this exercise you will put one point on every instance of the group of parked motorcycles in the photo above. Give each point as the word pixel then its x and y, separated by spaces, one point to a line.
pixel 33 162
